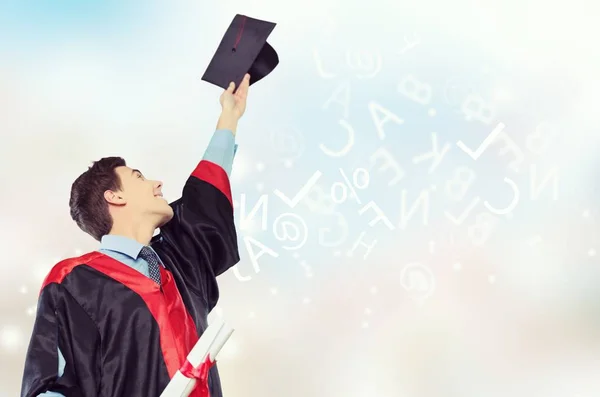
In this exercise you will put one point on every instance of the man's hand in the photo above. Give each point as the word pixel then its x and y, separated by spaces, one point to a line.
pixel 235 103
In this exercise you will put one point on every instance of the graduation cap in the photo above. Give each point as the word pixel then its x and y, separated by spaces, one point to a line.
pixel 243 49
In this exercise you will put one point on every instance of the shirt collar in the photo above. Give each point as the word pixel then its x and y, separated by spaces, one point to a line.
pixel 122 244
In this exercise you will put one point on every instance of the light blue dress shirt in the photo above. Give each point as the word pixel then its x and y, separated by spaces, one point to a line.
pixel 220 150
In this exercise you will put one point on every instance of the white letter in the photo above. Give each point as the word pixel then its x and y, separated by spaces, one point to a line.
pixel 513 203
pixel 364 61
pixel 238 275
pixel 389 162
pixel 424 199
pixel 415 90
pixel 409 44
pixel 553 174
pixel 360 242
pixel 344 89
pixel 380 215
pixel 511 146
pixel 254 257
pixel 343 224
pixel 465 213
pixel 376 108
pixel 262 202
pixel 434 154
pixel 344 151
pixel 457 187
pixel 320 70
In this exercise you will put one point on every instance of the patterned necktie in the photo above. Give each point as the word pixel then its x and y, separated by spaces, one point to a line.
pixel 153 263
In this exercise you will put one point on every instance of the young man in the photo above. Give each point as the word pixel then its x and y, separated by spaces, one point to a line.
pixel 120 321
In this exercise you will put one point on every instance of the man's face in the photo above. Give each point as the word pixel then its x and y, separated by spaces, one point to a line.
pixel 143 196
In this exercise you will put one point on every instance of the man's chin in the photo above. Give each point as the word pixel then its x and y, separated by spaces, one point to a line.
pixel 167 216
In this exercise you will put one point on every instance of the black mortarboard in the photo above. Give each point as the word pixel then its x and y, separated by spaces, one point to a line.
pixel 243 49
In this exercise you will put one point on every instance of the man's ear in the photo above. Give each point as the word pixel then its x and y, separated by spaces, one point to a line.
pixel 114 198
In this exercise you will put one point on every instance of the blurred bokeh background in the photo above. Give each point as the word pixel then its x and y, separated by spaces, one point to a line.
pixel 414 286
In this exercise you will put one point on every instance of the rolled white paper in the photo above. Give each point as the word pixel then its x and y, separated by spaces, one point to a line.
pixel 222 337
pixel 209 345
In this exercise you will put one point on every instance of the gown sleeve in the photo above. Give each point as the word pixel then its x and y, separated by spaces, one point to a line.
pixel 202 232
pixel 62 324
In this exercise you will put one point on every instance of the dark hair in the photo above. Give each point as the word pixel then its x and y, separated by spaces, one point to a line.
pixel 88 207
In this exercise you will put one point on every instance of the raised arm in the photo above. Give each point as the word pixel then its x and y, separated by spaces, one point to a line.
pixel 201 235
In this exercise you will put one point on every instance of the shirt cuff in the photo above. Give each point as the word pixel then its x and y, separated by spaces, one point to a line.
pixel 221 150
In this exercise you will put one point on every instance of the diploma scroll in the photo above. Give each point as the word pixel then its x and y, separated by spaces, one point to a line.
pixel 202 356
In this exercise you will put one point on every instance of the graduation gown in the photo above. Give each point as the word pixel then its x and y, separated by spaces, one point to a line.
pixel 120 333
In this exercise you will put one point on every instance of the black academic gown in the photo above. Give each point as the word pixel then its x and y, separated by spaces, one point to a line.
pixel 120 333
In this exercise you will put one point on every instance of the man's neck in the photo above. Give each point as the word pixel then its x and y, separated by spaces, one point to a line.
pixel 141 234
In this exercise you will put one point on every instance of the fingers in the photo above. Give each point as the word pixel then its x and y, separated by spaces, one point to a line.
pixel 231 87
pixel 243 88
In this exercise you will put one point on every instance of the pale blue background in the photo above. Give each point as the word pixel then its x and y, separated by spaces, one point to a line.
pixel 516 315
